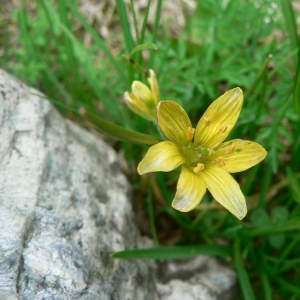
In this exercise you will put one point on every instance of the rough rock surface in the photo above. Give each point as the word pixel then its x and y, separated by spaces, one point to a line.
pixel 201 278
pixel 65 208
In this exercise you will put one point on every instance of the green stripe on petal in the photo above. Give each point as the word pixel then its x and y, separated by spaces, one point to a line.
pixel 190 191
pixel 225 190
pixel 240 155
pixel 164 156
pixel 219 119
pixel 173 121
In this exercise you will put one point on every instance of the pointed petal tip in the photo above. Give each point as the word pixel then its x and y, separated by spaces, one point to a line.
pixel 241 214
pixel 140 170
pixel 183 204
pixel 127 96
pixel 237 92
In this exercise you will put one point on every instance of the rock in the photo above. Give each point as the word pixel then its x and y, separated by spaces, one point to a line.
pixel 200 278
pixel 65 208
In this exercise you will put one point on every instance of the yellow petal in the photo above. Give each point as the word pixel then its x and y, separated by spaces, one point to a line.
pixel 240 155
pixel 190 191
pixel 163 156
pixel 142 92
pixel 225 190
pixel 173 121
pixel 219 119
pixel 139 107
pixel 154 87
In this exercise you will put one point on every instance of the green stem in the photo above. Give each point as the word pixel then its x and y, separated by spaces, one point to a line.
pixel 119 132
pixel 259 76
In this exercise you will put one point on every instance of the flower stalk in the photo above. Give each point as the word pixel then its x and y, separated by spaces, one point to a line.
pixel 118 132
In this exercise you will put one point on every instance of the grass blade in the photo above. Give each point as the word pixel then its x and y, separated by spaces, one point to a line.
pixel 149 46
pixel 242 274
pixel 176 252
pixel 289 225
pixel 125 25
pixel 297 88
pixel 152 216
pixel 290 20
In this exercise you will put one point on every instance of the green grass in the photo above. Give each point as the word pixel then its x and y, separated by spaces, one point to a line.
pixel 250 44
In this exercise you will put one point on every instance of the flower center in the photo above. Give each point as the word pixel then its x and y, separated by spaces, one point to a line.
pixel 197 158
pixel 196 155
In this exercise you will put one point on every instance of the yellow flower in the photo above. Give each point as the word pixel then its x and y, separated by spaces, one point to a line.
pixel 142 100
pixel 206 161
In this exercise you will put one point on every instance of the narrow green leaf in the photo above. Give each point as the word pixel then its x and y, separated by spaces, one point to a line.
pixel 294 184
pixel 143 31
pixel 151 215
pixel 156 26
pixel 135 22
pixel 289 225
pixel 297 87
pixel 149 46
pixel 260 75
pixel 266 285
pixel 290 20
pixel 242 274
pixel 129 42
pixel 176 252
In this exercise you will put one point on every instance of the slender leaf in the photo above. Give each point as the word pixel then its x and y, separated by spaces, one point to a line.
pixel 290 20
pixel 152 216
pixel 149 46
pixel 294 184
pixel 242 274
pixel 289 225
pixel 176 252
pixel 129 42
pixel 297 88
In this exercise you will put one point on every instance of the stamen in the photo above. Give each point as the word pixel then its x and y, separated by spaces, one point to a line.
pixel 190 133
pixel 230 149
pixel 207 121
pixel 220 162
pixel 199 168
pixel 210 151
pixel 223 128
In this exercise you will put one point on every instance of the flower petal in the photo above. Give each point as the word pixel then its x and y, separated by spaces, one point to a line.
pixel 239 155
pixel 142 92
pixel 225 190
pixel 190 191
pixel 154 86
pixel 139 107
pixel 163 156
pixel 219 119
pixel 173 121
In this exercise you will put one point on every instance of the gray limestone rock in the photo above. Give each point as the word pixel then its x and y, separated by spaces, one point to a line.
pixel 201 278
pixel 65 208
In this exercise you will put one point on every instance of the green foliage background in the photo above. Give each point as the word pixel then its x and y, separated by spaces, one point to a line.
pixel 251 44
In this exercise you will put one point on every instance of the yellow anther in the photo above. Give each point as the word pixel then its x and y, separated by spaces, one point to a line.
pixel 230 149
pixel 220 162
pixel 207 121
pixel 223 128
pixel 190 133
pixel 199 168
